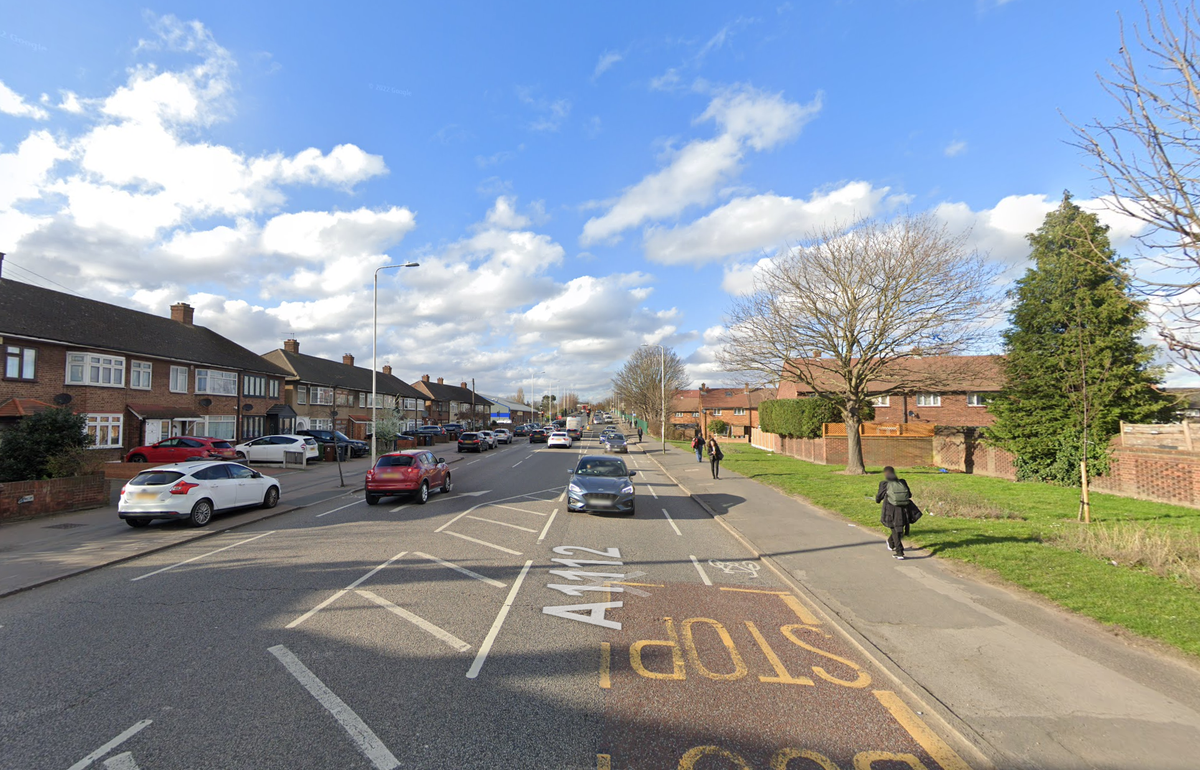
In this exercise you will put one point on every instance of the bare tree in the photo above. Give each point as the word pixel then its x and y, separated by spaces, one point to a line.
pixel 1149 159
pixel 847 313
pixel 639 385
pixel 520 397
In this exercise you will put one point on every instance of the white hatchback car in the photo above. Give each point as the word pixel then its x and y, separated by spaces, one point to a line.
pixel 489 437
pixel 503 436
pixel 558 438
pixel 194 491
pixel 270 449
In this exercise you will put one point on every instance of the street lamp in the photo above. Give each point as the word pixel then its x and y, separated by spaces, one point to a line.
pixel 374 350
pixel 662 379
pixel 531 378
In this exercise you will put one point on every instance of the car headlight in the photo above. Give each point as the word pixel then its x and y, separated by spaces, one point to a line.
pixel 575 489
pixel 628 490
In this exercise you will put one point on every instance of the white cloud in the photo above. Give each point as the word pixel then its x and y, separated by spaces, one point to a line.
pixel 739 277
pixel 504 215
pixel 748 118
pixel 955 148
pixel 12 103
pixel 606 61
pixel 668 81
pixel 323 235
pixel 22 173
pixel 549 113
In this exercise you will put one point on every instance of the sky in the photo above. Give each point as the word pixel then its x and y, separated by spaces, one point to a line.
pixel 574 179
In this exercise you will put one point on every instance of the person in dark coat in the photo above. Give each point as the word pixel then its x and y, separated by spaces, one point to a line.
pixel 639 435
pixel 698 447
pixel 715 456
pixel 898 508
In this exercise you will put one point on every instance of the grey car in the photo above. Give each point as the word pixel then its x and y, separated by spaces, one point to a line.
pixel 616 443
pixel 601 483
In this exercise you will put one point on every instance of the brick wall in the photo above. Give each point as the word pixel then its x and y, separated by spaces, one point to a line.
pixel 900 451
pixel 953 411
pixel 1149 474
pixel 49 496
pixel 962 449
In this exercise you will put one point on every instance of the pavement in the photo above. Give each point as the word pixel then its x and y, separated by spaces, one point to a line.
pixel 723 626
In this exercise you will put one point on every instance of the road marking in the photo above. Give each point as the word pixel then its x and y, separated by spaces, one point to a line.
pixel 344 507
pixel 416 620
pixel 400 508
pixel 927 739
pixel 362 736
pixel 201 556
pixel 672 522
pixel 123 761
pixel 501 523
pixel 651 488
pixel 703 574
pixel 490 502
pixel 603 762
pixel 474 461
pixel 546 528
pixel 514 508
pixel 605 665
pixel 486 647
pixel 518 463
pixel 341 593
pixel 115 742
pixel 463 570
pixel 791 601
pixel 483 542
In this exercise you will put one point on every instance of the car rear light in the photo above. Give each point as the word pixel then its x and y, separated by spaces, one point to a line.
pixel 183 487
pixel 370 474
pixel 123 488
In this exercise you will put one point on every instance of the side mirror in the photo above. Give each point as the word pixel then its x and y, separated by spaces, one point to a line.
pixel 570 471
pixel 256 475
pixel 633 473
pixel 442 460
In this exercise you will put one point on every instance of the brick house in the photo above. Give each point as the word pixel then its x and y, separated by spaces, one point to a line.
pixel 137 377
pixel 953 390
pixel 737 407
pixel 317 387
pixel 454 403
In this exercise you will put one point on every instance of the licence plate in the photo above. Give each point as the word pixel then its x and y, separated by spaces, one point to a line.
pixel 601 503
pixel 144 496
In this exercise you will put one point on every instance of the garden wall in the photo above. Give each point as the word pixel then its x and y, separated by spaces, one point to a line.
pixel 30 499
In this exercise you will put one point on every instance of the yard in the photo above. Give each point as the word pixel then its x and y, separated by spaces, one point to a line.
pixel 1136 566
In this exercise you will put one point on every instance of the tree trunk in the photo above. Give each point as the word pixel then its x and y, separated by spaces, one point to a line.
pixel 854 455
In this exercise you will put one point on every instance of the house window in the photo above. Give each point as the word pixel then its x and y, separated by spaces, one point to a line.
pixel 274 387
pixel 20 363
pixel 345 399
pixel 220 426
pixel 362 400
pixel 253 427
pixel 322 423
pixel 179 379
pixel 216 383
pixel 89 369
pixel 977 399
pixel 301 394
pixel 254 385
pixel 679 414
pixel 104 430
pixel 139 375
pixel 739 411
pixel 716 412
pixel 321 396
pixel 929 399
pixel 881 401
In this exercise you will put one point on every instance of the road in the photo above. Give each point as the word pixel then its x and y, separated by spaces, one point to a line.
pixel 487 628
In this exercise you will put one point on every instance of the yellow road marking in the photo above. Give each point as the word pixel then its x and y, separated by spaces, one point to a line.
pixel 605 660
pixel 791 601
pixel 865 760
pixel 678 671
pixel 640 585
pixel 926 738
pixel 755 591
pixel 782 675
pixel 603 762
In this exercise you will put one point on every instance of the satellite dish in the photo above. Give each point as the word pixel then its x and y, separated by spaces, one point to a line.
pixel 332 413
pixel 62 399
pixel 247 407
pixel 206 402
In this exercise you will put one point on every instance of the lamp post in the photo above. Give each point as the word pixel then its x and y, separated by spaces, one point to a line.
pixel 662 381
pixel 531 378
pixel 374 350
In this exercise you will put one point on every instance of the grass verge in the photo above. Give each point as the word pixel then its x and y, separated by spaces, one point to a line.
pixel 1135 567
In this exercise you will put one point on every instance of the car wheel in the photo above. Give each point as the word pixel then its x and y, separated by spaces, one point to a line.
pixel 447 484
pixel 422 494
pixel 241 456
pixel 201 513
pixel 271 499
pixel 136 459
pixel 138 523
pixel 372 499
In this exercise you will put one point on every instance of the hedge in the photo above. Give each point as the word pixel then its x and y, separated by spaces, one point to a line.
pixel 800 417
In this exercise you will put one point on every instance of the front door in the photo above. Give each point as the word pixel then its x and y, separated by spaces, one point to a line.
pixel 153 431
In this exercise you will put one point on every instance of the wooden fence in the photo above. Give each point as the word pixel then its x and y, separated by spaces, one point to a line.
pixel 1176 435
pixel 920 429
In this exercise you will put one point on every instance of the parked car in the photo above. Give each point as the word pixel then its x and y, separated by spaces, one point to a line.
pixel 490 437
pixel 503 436
pixel 616 443
pixel 558 438
pixel 457 427
pixel 179 448
pixel 413 472
pixel 600 483
pixel 537 436
pixel 194 491
pixel 433 430
pixel 353 447
pixel 270 449
pixel 470 442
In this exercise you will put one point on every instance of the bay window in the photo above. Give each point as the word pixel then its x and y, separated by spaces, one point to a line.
pixel 94 369
pixel 104 431
pixel 220 426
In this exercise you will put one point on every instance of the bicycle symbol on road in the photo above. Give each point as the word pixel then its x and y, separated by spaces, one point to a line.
pixel 733 567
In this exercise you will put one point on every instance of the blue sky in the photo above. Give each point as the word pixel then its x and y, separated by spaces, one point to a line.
pixel 575 179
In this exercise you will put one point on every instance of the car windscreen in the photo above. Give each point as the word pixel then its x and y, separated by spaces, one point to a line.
pixel 614 468
pixel 342 436
pixel 616 437
pixel 395 461
pixel 222 445
pixel 155 478
pixel 469 437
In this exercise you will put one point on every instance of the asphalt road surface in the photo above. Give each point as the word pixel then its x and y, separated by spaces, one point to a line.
pixel 489 628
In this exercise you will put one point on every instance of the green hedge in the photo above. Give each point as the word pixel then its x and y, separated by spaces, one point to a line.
pixel 800 417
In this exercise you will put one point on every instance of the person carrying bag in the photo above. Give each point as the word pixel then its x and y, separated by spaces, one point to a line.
pixel 898 512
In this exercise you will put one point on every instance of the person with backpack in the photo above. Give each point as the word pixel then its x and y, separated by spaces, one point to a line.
pixel 698 448
pixel 898 511
pixel 715 456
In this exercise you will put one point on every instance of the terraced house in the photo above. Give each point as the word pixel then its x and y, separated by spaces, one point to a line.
pixel 454 403
pixel 333 395
pixel 137 377
pixel 737 407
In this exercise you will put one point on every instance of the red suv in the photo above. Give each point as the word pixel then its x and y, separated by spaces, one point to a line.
pixel 181 449
pixel 409 472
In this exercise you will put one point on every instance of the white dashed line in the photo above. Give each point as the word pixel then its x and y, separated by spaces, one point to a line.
pixel 671 522
pixel 201 556
pixel 463 570
pixel 418 621
pixel 335 510
pixel 483 542
pixel 703 574
pixel 546 528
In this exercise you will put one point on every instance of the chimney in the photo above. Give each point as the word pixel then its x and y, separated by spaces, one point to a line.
pixel 348 359
pixel 1 264
pixel 816 354
pixel 183 313
pixel 292 345
pixel 463 385
pixel 440 381
pixel 747 387
pixel 424 378
pixel 387 369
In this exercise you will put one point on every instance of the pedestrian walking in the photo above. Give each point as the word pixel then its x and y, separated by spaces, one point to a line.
pixel 639 434
pixel 715 456
pixel 899 510
pixel 698 448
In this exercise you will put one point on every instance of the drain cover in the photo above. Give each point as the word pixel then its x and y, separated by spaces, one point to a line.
pixel 63 526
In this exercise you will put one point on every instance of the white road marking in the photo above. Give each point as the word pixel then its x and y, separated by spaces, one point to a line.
pixel 518 463
pixel 522 510
pixel 463 570
pixel 399 508
pixel 501 523
pixel 201 556
pixel 483 542
pixel 362 736
pixel 341 593
pixel 344 507
pixel 672 522
pixel 115 742
pixel 486 647
pixel 123 761
pixel 490 502
pixel 474 461
pixel 651 488
pixel 416 620
pixel 703 574
pixel 546 528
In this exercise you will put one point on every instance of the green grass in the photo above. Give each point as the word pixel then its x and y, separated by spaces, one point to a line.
pixel 1161 608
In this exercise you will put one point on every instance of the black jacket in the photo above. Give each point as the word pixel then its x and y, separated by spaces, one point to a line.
pixel 891 516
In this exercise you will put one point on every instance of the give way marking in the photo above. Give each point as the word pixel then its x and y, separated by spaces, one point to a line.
pixel 114 763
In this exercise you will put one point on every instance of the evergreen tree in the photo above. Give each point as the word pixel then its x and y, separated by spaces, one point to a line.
pixel 1075 366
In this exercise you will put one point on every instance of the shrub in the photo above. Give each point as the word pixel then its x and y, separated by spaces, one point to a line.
pixel 718 427
pixel 801 417
pixel 29 445
pixel 1164 552
pixel 959 504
